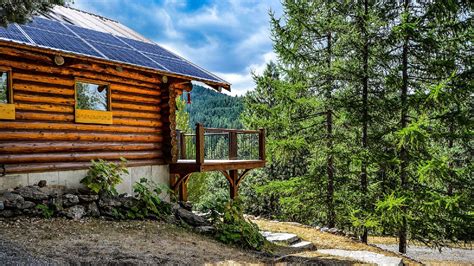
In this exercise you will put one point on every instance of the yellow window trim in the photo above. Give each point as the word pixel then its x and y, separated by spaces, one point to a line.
pixel 93 116
pixel 7 110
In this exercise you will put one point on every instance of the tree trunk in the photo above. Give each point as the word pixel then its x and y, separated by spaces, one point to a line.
pixel 365 113
pixel 402 234
pixel 329 144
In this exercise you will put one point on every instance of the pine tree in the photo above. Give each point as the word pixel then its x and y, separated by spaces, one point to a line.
pixel 20 11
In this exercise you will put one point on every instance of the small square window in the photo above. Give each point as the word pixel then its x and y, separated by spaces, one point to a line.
pixel 93 103
pixel 4 87
pixel 92 96
pixel 7 108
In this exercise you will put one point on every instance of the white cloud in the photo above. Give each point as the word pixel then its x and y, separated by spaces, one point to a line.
pixel 241 83
pixel 228 37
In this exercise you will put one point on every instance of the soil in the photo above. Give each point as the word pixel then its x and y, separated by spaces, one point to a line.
pixel 96 242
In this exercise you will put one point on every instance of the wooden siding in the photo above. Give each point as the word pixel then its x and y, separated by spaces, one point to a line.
pixel 44 135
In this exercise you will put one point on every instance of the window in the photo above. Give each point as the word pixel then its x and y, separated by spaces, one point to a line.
pixel 4 95
pixel 7 108
pixel 93 103
pixel 92 96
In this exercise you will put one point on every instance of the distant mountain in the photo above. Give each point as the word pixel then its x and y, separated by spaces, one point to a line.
pixel 213 109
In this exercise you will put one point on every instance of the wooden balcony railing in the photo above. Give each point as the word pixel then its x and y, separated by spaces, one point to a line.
pixel 221 144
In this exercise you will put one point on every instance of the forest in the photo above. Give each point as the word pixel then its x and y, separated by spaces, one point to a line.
pixel 368 112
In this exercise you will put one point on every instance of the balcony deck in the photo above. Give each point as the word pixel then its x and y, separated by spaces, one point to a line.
pixel 233 152
pixel 190 166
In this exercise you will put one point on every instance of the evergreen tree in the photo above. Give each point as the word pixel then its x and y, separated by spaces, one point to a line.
pixel 20 11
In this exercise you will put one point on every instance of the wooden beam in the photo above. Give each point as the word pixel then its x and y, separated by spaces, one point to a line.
pixel 199 144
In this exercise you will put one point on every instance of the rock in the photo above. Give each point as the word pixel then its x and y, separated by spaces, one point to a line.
pixel 11 200
pixel 42 183
pixel 303 245
pixel 32 193
pixel 128 202
pixel 52 192
pixel 206 229
pixel 190 218
pixel 280 238
pixel 335 231
pixel 109 202
pixel 75 212
pixel 70 200
pixel 324 229
pixel 56 203
pixel 6 213
pixel 93 210
pixel 27 205
pixel 187 205
pixel 88 198
pixel 2 206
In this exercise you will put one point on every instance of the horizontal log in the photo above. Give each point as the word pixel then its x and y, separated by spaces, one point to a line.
pixel 137 122
pixel 125 73
pixel 149 115
pixel 136 90
pixel 26 54
pixel 77 157
pixel 64 146
pixel 77 136
pixel 19 86
pixel 44 167
pixel 136 107
pixel 134 98
pixel 44 108
pixel 19 97
pixel 34 116
pixel 15 125
pixel 71 72
pixel 43 79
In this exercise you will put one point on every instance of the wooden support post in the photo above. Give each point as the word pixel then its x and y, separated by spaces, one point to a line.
pixel 183 191
pixel 234 186
pixel 199 144
pixel 182 142
pixel 233 153
pixel 261 144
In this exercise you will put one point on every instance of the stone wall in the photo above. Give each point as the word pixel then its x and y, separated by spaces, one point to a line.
pixel 71 179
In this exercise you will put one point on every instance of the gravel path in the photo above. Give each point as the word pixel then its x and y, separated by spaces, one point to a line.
pixel 11 254
pixel 428 254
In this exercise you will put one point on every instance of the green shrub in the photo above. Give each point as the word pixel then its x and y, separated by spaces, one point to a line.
pixel 45 210
pixel 103 176
pixel 148 195
pixel 233 228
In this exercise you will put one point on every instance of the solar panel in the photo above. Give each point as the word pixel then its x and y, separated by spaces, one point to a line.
pixel 53 34
pixel 50 25
pixel 97 36
pixel 12 33
pixel 59 41
pixel 149 48
pixel 181 67
pixel 125 55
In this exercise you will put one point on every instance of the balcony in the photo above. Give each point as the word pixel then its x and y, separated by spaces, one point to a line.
pixel 217 149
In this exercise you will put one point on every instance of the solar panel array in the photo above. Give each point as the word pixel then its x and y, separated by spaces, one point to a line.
pixel 70 38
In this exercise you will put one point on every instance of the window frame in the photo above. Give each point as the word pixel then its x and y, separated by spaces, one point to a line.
pixel 7 110
pixel 8 70
pixel 93 116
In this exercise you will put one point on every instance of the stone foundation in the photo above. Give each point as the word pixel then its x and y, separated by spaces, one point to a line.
pixel 71 179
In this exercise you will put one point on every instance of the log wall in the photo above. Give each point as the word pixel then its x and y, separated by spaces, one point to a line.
pixel 44 135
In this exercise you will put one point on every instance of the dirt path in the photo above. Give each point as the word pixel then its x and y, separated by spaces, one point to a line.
pixel 96 242
pixel 323 240
pixel 427 255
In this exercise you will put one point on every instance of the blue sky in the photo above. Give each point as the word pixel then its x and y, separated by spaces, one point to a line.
pixel 231 38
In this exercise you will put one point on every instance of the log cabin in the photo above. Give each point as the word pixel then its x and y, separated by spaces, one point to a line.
pixel 76 87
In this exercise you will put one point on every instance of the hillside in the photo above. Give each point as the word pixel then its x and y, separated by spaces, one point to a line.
pixel 213 109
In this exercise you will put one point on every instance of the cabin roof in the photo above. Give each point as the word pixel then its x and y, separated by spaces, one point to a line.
pixel 78 32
